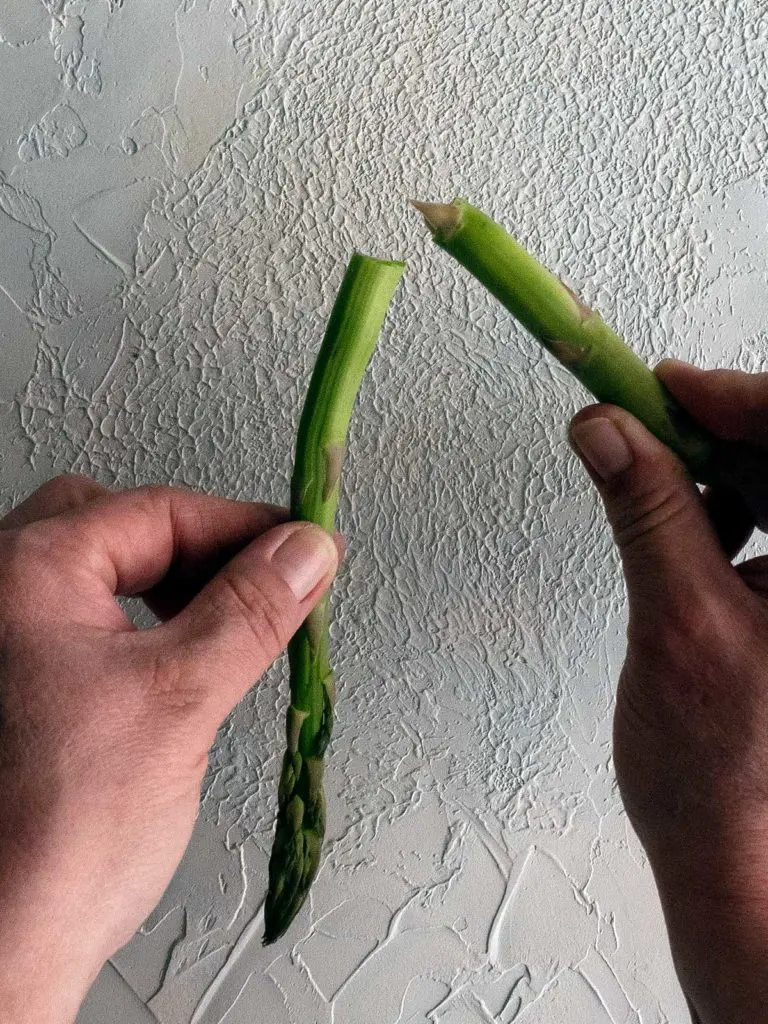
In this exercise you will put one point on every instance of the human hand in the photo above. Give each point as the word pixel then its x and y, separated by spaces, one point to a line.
pixel 105 728
pixel 691 720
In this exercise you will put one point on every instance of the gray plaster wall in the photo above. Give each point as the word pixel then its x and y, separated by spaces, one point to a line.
pixel 181 182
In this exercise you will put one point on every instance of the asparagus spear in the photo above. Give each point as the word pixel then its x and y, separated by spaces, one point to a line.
pixel 571 331
pixel 350 338
pixel 594 353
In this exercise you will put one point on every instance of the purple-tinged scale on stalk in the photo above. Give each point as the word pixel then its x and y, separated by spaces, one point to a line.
pixel 315 770
pixel 329 682
pixel 314 812
pixel 316 624
pixel 334 458
pixel 584 309
pixel 289 776
pixel 294 814
pixel 295 720
pixel 569 353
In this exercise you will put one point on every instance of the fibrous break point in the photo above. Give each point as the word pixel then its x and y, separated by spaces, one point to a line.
pixel 444 218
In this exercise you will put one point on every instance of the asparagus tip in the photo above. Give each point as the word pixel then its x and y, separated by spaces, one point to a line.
pixel 442 218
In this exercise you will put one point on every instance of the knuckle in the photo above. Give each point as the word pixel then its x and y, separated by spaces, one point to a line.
pixel 153 496
pixel 649 509
pixel 22 550
pixel 162 500
pixel 172 685
pixel 692 639
pixel 71 489
pixel 265 618
pixel 686 632
pixel 60 494
pixel 160 494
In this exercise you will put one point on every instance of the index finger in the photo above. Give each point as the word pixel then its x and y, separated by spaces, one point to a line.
pixel 130 540
pixel 730 403
pixel 61 494
pixel 731 518
pixel 734 407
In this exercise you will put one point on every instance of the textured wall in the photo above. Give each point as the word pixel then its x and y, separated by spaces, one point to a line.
pixel 181 182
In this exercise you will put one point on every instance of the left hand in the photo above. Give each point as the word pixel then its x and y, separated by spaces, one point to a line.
pixel 105 728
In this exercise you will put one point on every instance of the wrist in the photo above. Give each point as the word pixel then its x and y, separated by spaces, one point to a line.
pixel 41 981
pixel 715 904
pixel 721 958
pixel 49 957
pixel 37 993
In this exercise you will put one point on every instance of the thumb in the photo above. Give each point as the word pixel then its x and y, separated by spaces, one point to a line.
pixel 233 630
pixel 672 559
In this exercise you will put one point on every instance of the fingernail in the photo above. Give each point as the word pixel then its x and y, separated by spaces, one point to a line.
pixel 669 361
pixel 305 558
pixel 603 446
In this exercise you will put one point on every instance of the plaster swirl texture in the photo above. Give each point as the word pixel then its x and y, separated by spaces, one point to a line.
pixel 181 182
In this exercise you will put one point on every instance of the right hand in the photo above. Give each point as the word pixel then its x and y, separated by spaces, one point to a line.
pixel 691 721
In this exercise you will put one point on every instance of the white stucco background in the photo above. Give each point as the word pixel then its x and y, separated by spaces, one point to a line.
pixel 181 183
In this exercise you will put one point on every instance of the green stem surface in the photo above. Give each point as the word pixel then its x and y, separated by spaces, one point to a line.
pixel 350 339
pixel 573 333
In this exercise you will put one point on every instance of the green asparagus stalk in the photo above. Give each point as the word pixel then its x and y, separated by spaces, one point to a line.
pixel 571 331
pixel 350 338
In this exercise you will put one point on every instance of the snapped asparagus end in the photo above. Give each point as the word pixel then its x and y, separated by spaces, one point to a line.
pixel 443 219
pixel 361 260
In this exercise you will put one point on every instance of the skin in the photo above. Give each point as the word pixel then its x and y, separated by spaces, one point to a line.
pixel 106 729
pixel 691 719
